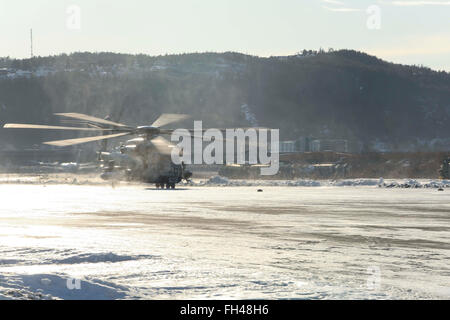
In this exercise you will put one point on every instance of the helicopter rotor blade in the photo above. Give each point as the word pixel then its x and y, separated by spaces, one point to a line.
pixel 74 121
pixel 189 134
pixel 71 142
pixel 116 116
pixel 192 134
pixel 168 118
pixel 90 118
pixel 45 127
pixel 163 145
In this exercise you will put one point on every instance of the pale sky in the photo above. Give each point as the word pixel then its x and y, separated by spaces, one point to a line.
pixel 410 31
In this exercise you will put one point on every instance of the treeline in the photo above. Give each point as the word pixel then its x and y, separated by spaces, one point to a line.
pixel 335 94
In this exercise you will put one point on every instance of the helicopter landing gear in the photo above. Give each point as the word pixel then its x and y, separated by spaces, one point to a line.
pixel 166 185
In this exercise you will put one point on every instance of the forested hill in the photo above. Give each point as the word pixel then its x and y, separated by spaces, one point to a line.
pixel 335 94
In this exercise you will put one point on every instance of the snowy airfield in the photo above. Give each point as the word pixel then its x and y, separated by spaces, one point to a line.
pixel 348 240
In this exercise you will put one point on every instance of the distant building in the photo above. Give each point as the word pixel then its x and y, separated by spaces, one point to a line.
pixel 303 144
pixel 13 74
pixel 306 144
pixel 44 71
pixel 4 72
pixel 329 145
pixel 288 147
pixel 158 68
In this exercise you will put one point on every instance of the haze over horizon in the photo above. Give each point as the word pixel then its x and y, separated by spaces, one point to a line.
pixel 407 32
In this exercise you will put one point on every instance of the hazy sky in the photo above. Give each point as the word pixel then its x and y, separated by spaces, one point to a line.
pixel 404 31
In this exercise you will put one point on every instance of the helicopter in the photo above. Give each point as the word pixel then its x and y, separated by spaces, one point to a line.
pixel 145 158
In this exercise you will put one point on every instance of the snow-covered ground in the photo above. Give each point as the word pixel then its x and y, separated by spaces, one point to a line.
pixel 74 241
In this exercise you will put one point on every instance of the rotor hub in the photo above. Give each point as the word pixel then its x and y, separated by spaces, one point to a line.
pixel 149 131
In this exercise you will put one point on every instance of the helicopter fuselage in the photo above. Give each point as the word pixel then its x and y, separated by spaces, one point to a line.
pixel 148 131
pixel 138 160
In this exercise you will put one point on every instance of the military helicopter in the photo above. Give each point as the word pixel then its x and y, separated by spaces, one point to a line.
pixel 145 158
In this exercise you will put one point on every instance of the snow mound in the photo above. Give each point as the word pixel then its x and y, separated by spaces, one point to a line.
pixel 9 261
pixel 52 286
pixel 98 258
pixel 218 180
pixel 304 183
pixel 356 182
pixel 411 183
pixel 222 181
pixel 40 256
pixel 408 183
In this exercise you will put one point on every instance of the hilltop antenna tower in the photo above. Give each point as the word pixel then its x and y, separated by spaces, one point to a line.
pixel 31 40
